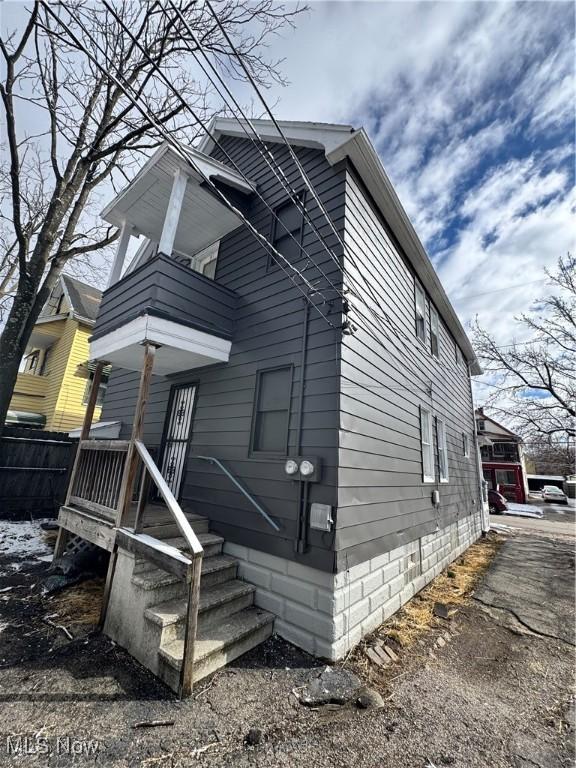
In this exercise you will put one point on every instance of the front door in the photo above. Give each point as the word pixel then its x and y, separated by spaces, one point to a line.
pixel 177 435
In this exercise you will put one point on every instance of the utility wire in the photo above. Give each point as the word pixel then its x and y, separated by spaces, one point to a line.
pixel 276 255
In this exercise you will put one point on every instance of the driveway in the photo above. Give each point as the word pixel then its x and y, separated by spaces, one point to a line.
pixel 558 520
pixel 489 688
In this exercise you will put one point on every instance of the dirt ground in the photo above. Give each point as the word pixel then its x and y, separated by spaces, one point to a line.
pixel 499 692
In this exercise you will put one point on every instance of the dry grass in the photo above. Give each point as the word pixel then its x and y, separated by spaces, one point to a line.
pixel 79 604
pixel 453 587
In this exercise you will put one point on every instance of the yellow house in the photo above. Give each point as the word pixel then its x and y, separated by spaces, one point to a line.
pixel 52 389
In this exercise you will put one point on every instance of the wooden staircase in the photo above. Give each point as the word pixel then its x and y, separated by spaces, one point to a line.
pixel 156 601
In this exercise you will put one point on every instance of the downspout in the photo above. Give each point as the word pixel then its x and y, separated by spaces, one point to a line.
pixel 483 504
pixel 301 541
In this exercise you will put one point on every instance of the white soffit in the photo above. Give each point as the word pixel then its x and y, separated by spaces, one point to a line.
pixel 180 348
pixel 339 142
pixel 204 218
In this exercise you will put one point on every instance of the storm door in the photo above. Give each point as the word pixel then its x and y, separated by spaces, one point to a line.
pixel 177 435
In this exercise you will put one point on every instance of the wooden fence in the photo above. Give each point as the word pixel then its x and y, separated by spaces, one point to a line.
pixel 34 472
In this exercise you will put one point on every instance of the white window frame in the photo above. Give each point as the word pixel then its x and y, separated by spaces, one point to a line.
pixel 205 257
pixel 466 445
pixel 428 473
pixel 420 311
pixel 442 451
pixel 434 331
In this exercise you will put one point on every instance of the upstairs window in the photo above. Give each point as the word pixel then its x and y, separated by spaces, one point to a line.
pixel 272 411
pixel 420 303
pixel 434 332
pixel 426 442
pixel 101 389
pixel 481 425
pixel 287 228
pixel 442 450
pixel 32 362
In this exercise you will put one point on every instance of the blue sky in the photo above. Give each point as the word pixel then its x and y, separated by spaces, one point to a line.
pixel 470 106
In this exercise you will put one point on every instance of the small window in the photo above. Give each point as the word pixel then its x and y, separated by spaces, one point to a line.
pixel 272 411
pixel 287 227
pixel 434 332
pixel 32 362
pixel 442 450
pixel 481 425
pixel 420 299
pixel 205 261
pixel 498 449
pixel 465 445
pixel 44 367
pixel 426 440
pixel 505 477
pixel 101 389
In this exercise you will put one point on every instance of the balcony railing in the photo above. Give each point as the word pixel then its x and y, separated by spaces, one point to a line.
pixel 96 484
pixel 167 289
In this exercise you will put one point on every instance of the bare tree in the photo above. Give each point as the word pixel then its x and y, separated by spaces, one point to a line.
pixel 88 135
pixel 536 389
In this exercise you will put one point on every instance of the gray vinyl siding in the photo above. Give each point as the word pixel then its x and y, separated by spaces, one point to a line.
pixel 382 499
pixel 267 332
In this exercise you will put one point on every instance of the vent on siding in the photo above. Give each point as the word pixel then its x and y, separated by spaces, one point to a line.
pixel 413 563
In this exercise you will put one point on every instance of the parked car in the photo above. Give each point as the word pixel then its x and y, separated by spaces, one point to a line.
pixel 496 502
pixel 554 494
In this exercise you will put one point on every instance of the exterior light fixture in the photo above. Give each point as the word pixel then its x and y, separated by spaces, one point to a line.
pixel 307 468
pixel 291 467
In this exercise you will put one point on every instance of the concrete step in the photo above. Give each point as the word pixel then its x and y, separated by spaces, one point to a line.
pixel 216 604
pixel 217 645
pixel 215 570
pixel 211 543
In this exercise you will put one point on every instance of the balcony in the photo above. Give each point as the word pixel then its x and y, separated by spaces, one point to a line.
pixel 500 452
pixel 182 202
pixel 187 316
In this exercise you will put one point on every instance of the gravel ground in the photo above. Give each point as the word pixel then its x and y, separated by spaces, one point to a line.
pixel 497 694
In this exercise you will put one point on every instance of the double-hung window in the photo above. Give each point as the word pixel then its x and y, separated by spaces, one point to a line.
pixel 287 226
pixel 442 450
pixel 434 332
pixel 427 449
pixel 272 411
pixel 420 304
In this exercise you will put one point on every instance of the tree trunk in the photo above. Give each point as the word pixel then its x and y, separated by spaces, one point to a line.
pixel 24 312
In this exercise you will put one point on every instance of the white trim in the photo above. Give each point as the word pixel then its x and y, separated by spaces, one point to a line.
pixel 172 217
pixel 434 331
pixel 339 142
pixel 420 312
pixel 466 445
pixel 443 470
pixel 157 330
pixel 426 445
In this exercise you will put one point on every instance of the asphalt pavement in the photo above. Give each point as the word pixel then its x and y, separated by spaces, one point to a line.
pixel 558 520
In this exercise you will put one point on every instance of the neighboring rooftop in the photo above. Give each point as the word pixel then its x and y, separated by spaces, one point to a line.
pixel 84 298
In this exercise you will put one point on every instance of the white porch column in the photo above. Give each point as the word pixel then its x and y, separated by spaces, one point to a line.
pixel 173 213
pixel 125 234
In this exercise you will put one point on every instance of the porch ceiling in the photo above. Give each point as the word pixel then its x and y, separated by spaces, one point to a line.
pixel 203 220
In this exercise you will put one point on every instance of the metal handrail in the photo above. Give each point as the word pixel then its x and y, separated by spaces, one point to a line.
pixel 251 499
pixel 175 510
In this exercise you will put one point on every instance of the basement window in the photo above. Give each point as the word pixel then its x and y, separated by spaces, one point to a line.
pixel 272 411
pixel 413 563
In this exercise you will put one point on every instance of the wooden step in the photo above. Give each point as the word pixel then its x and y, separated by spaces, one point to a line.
pixel 216 604
pixel 215 570
pixel 217 645
pixel 211 543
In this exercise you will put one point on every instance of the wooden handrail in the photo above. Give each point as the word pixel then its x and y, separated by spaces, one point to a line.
pixel 104 445
pixel 175 510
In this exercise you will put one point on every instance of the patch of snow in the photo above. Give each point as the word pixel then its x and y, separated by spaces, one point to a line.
pixel 22 538
pixel 523 510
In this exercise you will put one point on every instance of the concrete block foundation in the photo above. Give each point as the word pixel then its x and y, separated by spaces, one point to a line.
pixel 327 614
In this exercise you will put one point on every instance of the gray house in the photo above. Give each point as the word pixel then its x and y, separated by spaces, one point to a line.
pixel 297 451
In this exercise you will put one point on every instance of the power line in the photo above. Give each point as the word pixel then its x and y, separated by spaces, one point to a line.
pixel 276 255
pixel 498 290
